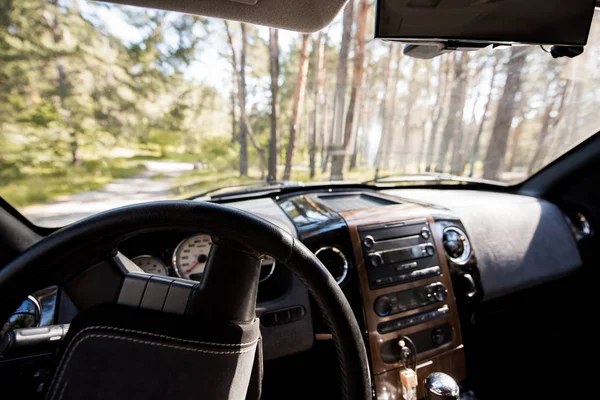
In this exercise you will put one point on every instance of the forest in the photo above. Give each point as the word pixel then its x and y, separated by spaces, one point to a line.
pixel 89 91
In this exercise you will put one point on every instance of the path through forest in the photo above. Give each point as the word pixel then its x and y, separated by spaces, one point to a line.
pixel 140 188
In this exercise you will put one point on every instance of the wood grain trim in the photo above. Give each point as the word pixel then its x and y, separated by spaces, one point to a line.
pixel 387 384
pixel 390 214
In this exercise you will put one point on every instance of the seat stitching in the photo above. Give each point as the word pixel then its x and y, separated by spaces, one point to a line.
pixel 169 337
pixel 79 339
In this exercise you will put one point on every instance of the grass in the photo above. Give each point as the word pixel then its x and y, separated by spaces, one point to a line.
pixel 159 176
pixel 45 183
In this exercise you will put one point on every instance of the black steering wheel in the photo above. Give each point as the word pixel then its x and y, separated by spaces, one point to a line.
pixel 240 240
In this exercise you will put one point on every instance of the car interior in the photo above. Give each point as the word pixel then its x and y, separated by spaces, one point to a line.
pixel 322 290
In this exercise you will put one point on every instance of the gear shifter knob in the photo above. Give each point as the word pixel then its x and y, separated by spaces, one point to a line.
pixel 439 386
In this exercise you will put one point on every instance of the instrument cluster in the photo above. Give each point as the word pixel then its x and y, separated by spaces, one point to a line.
pixel 185 258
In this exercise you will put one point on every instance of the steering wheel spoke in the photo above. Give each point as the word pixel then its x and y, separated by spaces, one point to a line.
pixel 229 286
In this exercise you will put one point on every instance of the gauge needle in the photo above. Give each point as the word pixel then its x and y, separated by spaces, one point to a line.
pixel 192 267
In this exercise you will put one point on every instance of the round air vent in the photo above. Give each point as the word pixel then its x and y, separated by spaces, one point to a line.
pixel 580 226
pixel 457 245
pixel 335 261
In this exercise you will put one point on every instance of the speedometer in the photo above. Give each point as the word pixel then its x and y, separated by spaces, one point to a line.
pixel 151 265
pixel 189 258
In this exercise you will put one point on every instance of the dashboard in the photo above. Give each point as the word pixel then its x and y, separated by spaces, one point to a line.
pixel 411 263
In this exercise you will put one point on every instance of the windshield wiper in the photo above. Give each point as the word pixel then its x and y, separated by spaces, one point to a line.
pixel 433 177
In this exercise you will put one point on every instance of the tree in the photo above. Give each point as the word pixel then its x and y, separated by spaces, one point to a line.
pixel 318 100
pixel 296 105
pixel 438 109
pixel 455 109
pixel 245 127
pixel 384 108
pixel 408 111
pixel 494 159
pixel 339 102
pixel 337 161
pixel 460 135
pixel 274 71
pixel 475 147
pixel 552 114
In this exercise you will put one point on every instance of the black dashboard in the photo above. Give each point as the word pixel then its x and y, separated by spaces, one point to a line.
pixel 485 245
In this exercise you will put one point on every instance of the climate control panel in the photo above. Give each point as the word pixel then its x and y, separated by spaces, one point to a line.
pixel 392 303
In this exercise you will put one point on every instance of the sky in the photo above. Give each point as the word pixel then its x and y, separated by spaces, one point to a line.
pixel 211 68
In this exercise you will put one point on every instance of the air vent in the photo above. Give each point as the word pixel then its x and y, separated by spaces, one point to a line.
pixel 335 261
pixel 457 245
pixel 580 226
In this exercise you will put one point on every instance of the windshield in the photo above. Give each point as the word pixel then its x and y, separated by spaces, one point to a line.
pixel 105 105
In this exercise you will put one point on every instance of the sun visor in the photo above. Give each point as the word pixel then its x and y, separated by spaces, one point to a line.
pixel 548 22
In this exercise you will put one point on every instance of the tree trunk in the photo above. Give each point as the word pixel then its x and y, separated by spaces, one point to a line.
pixel 274 70
pixel 475 148
pixel 233 106
pixel 424 120
pixel 516 136
pixel 408 109
pixel 360 132
pixel 494 160
pixel 455 110
pixel 296 105
pixel 337 162
pixel 242 94
pixel 339 101
pixel 460 135
pixel 440 103
pixel 392 109
pixel 245 127
pixel 319 83
pixel 384 109
pixel 547 123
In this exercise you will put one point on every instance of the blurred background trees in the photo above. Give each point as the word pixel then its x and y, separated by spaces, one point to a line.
pixel 84 83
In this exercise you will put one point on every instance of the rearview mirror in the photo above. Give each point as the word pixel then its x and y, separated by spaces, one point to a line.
pixel 473 23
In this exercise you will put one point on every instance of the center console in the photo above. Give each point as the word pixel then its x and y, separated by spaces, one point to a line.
pixel 406 291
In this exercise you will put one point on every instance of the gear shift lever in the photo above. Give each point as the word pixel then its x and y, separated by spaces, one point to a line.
pixel 439 386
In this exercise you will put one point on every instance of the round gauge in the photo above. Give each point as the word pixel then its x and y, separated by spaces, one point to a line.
pixel 151 265
pixel 189 258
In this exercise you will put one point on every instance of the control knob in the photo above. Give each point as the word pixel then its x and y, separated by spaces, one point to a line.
pixel 383 306
pixel 368 241
pixel 375 260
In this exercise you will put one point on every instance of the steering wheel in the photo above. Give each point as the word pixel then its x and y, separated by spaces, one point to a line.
pixel 221 308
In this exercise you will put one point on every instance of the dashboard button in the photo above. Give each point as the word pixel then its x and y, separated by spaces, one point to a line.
pixel 430 250
pixel 425 233
pixel 297 313
pixel 268 319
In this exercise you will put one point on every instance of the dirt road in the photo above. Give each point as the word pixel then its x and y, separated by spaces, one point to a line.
pixel 137 189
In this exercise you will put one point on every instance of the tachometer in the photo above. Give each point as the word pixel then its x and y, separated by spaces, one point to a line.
pixel 151 265
pixel 189 258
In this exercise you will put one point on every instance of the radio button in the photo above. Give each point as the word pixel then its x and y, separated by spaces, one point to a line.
pixel 425 233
